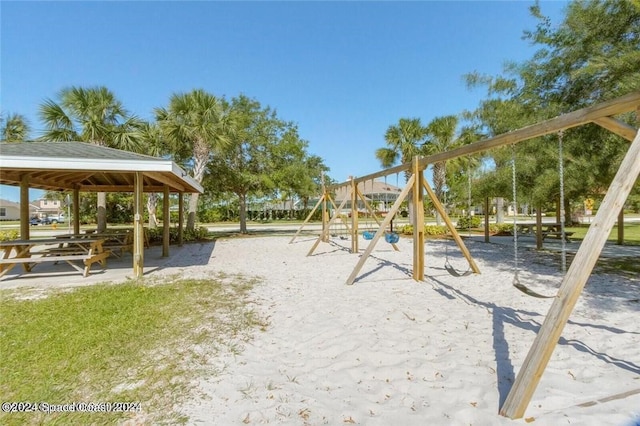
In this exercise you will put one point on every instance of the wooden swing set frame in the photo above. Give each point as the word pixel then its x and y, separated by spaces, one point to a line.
pixel 585 259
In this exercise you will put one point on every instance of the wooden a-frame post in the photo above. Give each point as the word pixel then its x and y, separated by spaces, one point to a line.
pixel 545 342
pixel 381 230
pixel 418 221
pixel 454 232
pixel 308 217
pixel 325 234
pixel 373 215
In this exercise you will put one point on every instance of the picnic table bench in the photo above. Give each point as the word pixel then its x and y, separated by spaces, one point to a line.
pixel 87 251
pixel 117 242
pixel 548 230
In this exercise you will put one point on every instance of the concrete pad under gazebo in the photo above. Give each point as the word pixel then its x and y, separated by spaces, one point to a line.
pixel 84 167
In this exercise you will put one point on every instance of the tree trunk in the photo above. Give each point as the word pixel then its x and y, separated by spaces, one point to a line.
pixel 102 212
pixel 201 153
pixel 191 214
pixel 152 205
pixel 242 201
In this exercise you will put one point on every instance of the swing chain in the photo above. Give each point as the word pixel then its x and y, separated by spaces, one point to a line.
pixel 562 211
pixel 515 209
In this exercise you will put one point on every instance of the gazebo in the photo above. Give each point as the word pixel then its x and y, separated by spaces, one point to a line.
pixel 84 167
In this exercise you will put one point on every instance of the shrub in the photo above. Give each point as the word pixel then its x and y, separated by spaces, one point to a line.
pixel 501 229
pixel 9 234
pixel 435 230
pixel 467 222
pixel 200 233
pixel 428 230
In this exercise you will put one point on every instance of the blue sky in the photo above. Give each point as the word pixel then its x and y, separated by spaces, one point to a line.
pixel 343 71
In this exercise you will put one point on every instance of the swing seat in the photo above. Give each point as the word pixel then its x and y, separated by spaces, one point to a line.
pixel 454 272
pixel 368 235
pixel 391 237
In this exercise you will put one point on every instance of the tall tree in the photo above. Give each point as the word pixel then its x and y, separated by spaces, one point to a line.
pixel 249 164
pixel 92 115
pixel 404 141
pixel 590 56
pixel 197 126
pixel 14 128
pixel 153 143
pixel 441 137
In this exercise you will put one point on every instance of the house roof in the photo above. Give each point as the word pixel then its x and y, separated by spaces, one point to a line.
pixel 57 166
pixel 372 190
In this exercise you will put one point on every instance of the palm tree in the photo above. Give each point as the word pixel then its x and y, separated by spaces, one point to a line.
pixel 91 115
pixel 152 140
pixel 15 128
pixel 441 137
pixel 196 124
pixel 404 141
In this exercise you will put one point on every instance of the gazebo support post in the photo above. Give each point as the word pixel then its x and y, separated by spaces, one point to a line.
pixel 76 210
pixel 166 221
pixel 180 218
pixel 24 207
pixel 138 227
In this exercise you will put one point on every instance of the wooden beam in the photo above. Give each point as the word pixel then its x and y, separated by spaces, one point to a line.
pixel 138 227
pixel 372 176
pixel 163 179
pixel 76 211
pixel 418 219
pixel 24 207
pixel 576 118
pixel 166 222
pixel 180 219
pixel 381 230
pixel 307 219
pixel 565 121
pixel 618 127
pixel 538 357
pixel 373 214
pixel 119 188
pixel 539 227
pixel 621 227
pixel 354 216
pixel 454 232
pixel 333 218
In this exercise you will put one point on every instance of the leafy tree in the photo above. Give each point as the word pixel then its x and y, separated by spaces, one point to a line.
pixel 92 115
pixel 591 56
pixel 14 128
pixel 266 157
pixel 196 125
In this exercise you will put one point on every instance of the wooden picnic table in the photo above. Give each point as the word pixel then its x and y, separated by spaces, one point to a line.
pixel 116 242
pixel 70 250
pixel 548 230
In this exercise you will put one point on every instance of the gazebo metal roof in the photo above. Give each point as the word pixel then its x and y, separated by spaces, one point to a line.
pixel 57 166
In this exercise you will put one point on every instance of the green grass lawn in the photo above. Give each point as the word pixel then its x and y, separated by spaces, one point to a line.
pixel 631 233
pixel 133 342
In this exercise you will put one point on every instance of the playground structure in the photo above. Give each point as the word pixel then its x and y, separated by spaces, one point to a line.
pixel 584 261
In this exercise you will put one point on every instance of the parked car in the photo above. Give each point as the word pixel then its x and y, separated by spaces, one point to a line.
pixel 34 221
pixel 57 219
